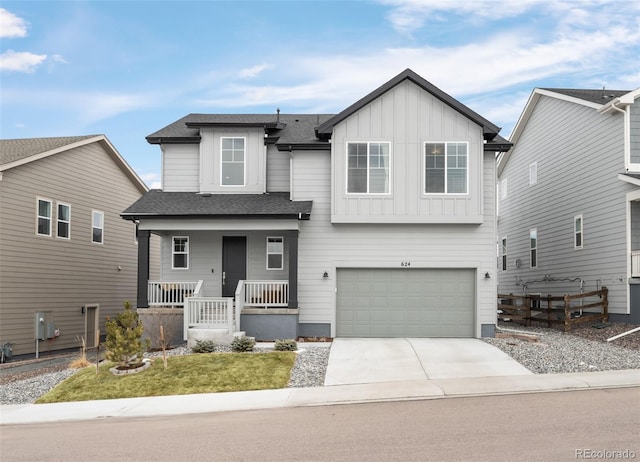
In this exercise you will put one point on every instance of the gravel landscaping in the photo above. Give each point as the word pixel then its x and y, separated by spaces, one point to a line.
pixel 583 350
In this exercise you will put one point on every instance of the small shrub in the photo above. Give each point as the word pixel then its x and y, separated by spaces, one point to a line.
pixel 204 346
pixel 288 344
pixel 242 344
pixel 124 342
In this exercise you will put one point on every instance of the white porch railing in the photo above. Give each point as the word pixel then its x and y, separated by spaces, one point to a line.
pixel 263 294
pixel 209 313
pixel 169 293
pixel 635 264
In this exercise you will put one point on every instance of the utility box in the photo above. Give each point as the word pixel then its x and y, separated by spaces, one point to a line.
pixel 51 330
pixel 40 325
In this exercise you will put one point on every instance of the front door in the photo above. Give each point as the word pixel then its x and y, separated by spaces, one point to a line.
pixel 234 263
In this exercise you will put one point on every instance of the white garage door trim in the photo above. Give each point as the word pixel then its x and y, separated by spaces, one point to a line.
pixel 416 302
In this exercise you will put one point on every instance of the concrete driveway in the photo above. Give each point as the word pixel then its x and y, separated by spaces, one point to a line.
pixel 372 360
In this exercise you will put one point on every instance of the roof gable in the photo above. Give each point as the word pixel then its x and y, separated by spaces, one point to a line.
pixel 490 130
pixel 17 152
pixel 595 99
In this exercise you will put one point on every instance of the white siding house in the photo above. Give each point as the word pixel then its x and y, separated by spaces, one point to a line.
pixel 379 221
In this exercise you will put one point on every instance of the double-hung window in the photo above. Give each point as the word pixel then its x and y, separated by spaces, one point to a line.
pixel 533 247
pixel 503 253
pixel 578 226
pixel 275 253
pixel 180 252
pixel 232 161
pixel 446 168
pixel 97 227
pixel 64 221
pixel 368 168
pixel 43 226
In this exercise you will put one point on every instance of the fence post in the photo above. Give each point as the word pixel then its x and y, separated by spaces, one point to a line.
pixel 185 314
pixel 549 312
pixel 605 303
pixel 567 314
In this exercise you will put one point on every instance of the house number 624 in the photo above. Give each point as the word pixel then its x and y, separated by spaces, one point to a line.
pixel 404 264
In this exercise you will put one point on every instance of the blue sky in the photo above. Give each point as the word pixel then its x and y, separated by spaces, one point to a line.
pixel 128 68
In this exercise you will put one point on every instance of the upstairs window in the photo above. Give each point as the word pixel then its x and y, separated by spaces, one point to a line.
pixel 64 221
pixel 503 253
pixel 97 227
pixel 533 174
pixel 446 168
pixel 275 253
pixel 232 161
pixel 578 226
pixel 43 220
pixel 368 168
pixel 533 247
pixel 180 252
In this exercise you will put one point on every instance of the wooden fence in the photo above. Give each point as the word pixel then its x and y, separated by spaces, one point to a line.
pixel 565 310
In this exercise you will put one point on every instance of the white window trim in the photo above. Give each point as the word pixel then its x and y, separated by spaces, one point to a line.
pixel 533 174
pixel 504 251
pixel 93 225
pixel 581 232
pixel 58 221
pixel 424 169
pixel 346 183
pixel 275 253
pixel 38 216
pixel 244 163
pixel 173 252
pixel 532 232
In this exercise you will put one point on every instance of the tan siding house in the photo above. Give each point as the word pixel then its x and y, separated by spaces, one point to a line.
pixel 67 259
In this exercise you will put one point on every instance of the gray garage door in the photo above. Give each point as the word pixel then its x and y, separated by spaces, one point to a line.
pixel 405 302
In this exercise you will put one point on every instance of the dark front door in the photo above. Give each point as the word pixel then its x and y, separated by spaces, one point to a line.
pixel 234 263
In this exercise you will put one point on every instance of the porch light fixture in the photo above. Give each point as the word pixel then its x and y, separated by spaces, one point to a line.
pixel 325 275
pixel 487 275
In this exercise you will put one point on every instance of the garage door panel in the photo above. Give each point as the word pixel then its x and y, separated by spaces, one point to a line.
pixel 405 302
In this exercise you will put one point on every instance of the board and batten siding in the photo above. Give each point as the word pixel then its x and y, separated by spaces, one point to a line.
pixel 205 258
pixel 180 167
pixel 579 154
pixel 407 117
pixel 324 246
pixel 255 160
pixel 58 276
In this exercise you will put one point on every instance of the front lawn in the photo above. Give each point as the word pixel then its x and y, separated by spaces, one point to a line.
pixel 196 373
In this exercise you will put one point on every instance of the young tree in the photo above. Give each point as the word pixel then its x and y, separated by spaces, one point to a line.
pixel 124 343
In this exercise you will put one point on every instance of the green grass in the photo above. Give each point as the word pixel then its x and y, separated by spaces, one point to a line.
pixel 197 373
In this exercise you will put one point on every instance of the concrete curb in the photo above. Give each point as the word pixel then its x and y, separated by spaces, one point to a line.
pixel 317 396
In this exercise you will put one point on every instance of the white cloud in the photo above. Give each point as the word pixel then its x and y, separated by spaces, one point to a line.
pixel 20 61
pixel 59 59
pixel 11 25
pixel 254 71
pixel 152 179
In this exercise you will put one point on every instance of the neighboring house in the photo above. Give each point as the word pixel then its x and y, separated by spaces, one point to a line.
pixel 375 222
pixel 67 259
pixel 569 206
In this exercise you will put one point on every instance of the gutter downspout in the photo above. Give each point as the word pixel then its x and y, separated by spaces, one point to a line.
pixel 626 131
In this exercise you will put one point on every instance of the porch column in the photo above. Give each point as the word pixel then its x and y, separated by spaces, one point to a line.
pixel 292 240
pixel 143 269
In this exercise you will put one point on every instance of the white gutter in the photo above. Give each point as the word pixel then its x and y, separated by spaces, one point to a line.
pixel 626 126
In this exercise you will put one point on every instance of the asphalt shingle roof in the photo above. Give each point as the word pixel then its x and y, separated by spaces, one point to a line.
pixel 18 149
pixel 190 204
pixel 602 96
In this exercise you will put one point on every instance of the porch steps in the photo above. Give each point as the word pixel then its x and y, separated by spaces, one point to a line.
pixel 219 336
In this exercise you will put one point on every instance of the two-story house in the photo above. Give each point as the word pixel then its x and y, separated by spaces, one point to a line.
pixel 67 259
pixel 569 206
pixel 378 221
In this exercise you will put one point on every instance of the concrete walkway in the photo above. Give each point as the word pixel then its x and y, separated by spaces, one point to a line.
pixel 359 371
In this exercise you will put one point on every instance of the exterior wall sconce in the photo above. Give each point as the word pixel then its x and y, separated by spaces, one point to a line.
pixel 487 275
pixel 325 275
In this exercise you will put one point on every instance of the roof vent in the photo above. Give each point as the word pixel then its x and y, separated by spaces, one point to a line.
pixel 278 115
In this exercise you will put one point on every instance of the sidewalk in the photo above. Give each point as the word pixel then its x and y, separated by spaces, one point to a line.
pixel 318 396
